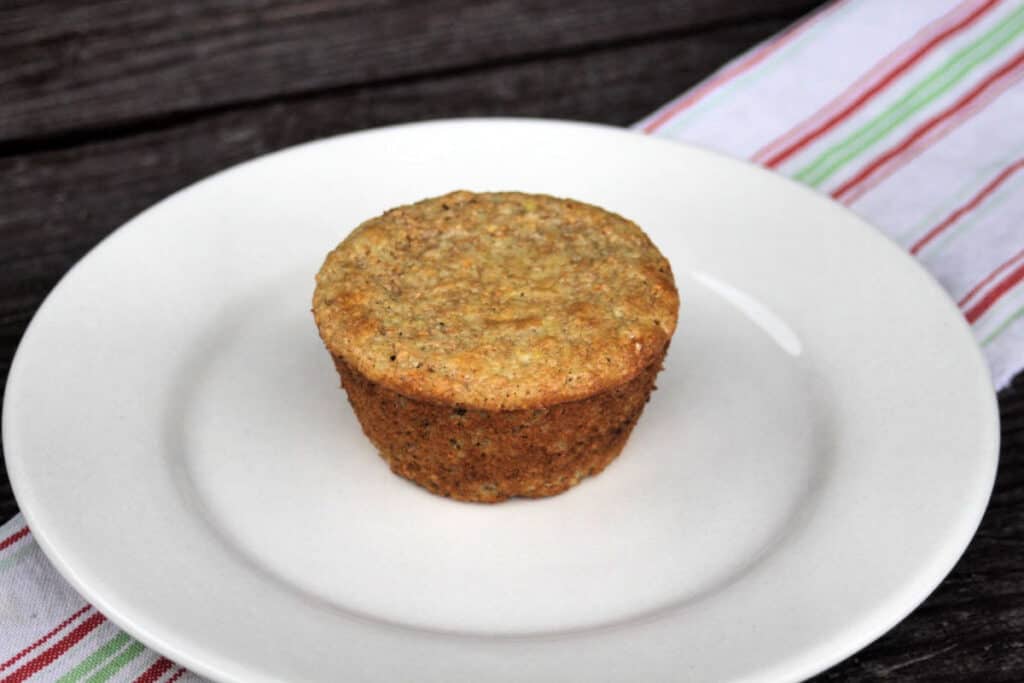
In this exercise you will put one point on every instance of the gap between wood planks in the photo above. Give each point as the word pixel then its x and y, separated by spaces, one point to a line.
pixel 74 136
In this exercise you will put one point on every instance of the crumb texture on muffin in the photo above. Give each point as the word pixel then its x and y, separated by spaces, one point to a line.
pixel 497 301
pixel 488 456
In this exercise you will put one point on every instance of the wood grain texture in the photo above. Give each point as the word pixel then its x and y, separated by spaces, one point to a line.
pixel 112 62
pixel 113 105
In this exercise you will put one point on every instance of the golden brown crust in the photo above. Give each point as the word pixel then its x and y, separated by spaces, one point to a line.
pixel 496 301
pixel 488 456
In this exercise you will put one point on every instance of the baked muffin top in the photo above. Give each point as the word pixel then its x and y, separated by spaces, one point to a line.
pixel 497 300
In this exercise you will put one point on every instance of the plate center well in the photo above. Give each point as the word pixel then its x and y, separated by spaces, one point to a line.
pixel 719 467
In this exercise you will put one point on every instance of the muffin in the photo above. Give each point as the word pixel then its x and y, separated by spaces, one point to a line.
pixel 497 344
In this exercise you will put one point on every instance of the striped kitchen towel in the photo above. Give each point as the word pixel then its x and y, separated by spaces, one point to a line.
pixel 49 633
pixel 910 113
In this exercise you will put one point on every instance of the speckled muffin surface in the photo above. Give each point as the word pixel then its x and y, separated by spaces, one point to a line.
pixel 498 301
pixel 497 344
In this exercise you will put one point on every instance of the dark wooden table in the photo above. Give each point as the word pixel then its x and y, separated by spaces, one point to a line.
pixel 110 106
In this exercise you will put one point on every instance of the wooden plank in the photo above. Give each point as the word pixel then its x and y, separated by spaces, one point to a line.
pixel 98 65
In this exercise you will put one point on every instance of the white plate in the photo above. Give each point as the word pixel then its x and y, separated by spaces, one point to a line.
pixel 819 452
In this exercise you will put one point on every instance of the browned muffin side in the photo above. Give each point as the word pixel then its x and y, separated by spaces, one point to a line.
pixel 497 344
pixel 487 455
